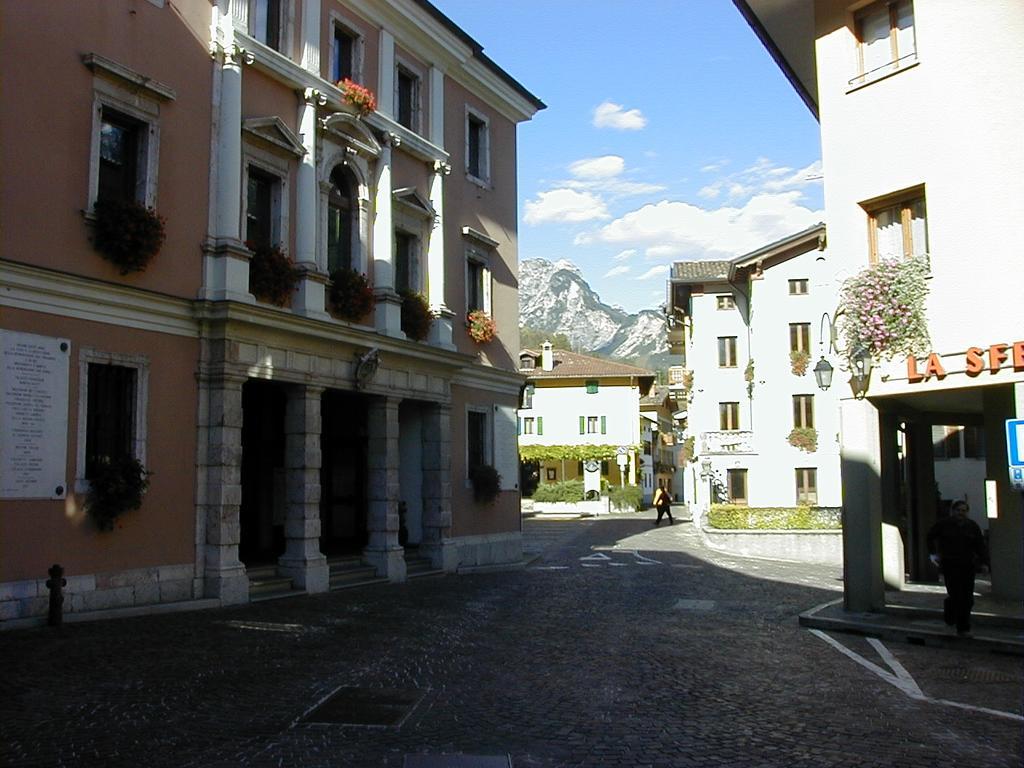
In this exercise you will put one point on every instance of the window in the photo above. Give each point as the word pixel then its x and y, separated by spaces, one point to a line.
pixel 945 442
pixel 800 337
pixel 798 287
pixel 592 386
pixel 728 416
pixel 406 261
pixel 478 281
pixel 265 22
pixel 344 48
pixel 898 228
pixel 121 142
pixel 737 485
pixel 262 200
pixel 974 443
pixel 725 302
pixel 551 473
pixel 726 351
pixel 885 37
pixel 592 425
pixel 478 444
pixel 407 98
pixel 342 218
pixel 806 487
pixel 803 411
pixel 528 424
pixel 477 146
pixel 527 363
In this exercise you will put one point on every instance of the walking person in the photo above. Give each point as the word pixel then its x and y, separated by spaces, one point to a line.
pixel 957 546
pixel 663 503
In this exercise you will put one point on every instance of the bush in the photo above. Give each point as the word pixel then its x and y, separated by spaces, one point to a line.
pixel 416 317
pixel 567 490
pixel 625 497
pixel 127 234
pixel 272 276
pixel 804 438
pixel 486 483
pixel 351 295
pixel 116 486
pixel 731 516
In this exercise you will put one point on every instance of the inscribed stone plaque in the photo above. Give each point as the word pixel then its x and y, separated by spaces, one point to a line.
pixel 33 416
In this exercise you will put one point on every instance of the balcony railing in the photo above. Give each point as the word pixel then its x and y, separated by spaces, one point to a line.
pixel 727 441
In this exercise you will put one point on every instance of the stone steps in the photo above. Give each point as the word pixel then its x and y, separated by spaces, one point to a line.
pixel 348 572
pixel 417 567
pixel 266 584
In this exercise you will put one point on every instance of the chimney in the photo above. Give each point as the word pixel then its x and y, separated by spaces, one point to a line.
pixel 547 358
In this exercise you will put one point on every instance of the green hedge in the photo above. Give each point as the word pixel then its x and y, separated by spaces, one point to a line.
pixel 568 490
pixel 623 497
pixel 731 516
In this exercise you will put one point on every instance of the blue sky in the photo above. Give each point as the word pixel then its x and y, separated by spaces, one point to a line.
pixel 670 134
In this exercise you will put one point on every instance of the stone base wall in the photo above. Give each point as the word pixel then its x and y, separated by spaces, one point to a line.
pixel 100 591
pixel 489 549
pixel 823 547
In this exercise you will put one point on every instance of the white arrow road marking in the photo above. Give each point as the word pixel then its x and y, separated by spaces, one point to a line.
pixel 902 679
pixel 595 556
pixel 641 560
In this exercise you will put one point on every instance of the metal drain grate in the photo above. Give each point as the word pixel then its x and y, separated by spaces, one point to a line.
pixel 964 675
pixel 382 707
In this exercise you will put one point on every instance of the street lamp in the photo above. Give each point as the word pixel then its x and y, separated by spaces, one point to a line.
pixel 823 374
pixel 860 375
pixel 859 360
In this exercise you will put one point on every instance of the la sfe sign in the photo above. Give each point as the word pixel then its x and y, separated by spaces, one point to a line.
pixel 977 360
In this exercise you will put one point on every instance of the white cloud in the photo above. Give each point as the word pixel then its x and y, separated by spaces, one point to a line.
pixel 611 115
pixel 661 269
pixel 762 176
pixel 605 167
pixel 624 255
pixel 619 270
pixel 565 205
pixel 715 166
pixel 616 187
pixel 672 229
pixel 812 174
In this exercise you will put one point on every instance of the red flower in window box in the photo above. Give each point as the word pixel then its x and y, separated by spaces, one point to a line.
pixel 416 315
pixel 127 233
pixel 358 96
pixel 272 275
pixel 351 294
pixel 482 327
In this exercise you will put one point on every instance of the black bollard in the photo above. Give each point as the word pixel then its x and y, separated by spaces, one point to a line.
pixel 56 584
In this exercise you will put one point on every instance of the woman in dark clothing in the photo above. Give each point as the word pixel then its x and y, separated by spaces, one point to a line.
pixel 663 503
pixel 960 546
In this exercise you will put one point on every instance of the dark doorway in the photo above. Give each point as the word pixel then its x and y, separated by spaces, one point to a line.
pixel 343 474
pixel 263 475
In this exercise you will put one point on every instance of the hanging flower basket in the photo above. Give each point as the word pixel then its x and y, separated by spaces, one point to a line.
pixel 351 294
pixel 799 361
pixel 486 483
pixel 804 438
pixel 117 486
pixel 358 96
pixel 127 234
pixel 416 316
pixel 883 309
pixel 272 275
pixel 482 327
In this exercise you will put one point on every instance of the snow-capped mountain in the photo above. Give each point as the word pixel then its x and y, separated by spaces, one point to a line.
pixel 556 298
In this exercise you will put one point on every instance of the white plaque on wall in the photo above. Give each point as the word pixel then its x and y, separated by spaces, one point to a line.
pixel 33 416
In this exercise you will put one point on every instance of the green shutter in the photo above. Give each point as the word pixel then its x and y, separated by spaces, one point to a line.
pixel 604 425
pixel 540 425
pixel 583 424
pixel 592 387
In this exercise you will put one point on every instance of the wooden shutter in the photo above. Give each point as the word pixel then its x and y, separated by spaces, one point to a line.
pixel 540 425
pixel 604 425
pixel 583 425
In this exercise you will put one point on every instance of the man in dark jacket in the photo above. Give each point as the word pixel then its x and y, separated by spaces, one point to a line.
pixel 960 546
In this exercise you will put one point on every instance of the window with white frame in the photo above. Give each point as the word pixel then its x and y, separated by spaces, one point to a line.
pixel 262 208
pixel 798 287
pixel 266 22
pixel 803 411
pixel 342 219
pixel 806 486
pixel 737 486
pixel 729 416
pixel 407 249
pixel 478 140
pixel 478 281
pixel 726 351
pixel 478 438
pixel 800 337
pixel 111 410
pixel 528 424
pixel 725 302
pixel 346 52
pixel 897 226
pixel 885 38
pixel 407 98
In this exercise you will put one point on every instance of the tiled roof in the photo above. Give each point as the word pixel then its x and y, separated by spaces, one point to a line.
pixel 656 396
pixel 574 365
pixel 699 271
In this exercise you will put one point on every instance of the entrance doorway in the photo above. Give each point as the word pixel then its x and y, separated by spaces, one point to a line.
pixel 343 474
pixel 263 508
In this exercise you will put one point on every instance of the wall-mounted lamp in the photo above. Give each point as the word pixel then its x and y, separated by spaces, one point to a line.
pixel 859 360
pixel 860 374
pixel 823 374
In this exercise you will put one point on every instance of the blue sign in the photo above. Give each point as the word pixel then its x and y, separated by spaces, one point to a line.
pixel 1015 442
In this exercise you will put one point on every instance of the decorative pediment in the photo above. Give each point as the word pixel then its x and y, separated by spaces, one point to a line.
pixel 350 130
pixel 273 131
pixel 415 203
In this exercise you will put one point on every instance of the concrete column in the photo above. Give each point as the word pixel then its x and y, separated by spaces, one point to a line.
pixel 388 312
pixel 220 492
pixel 441 328
pixel 309 295
pixel 437 488
pixel 302 559
pixel 383 550
pixel 861 467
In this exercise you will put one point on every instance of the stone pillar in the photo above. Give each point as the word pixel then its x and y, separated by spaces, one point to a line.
pixel 386 75
pixel 220 489
pixel 441 328
pixel 861 467
pixel 309 295
pixel 388 312
pixel 437 488
pixel 383 550
pixel 302 559
pixel 226 262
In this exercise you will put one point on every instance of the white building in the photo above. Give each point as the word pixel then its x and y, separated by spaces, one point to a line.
pixel 658 456
pixel 579 417
pixel 920 111
pixel 748 330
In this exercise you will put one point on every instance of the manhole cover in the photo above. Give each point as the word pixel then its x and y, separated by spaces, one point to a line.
pixel 694 605
pixel 456 761
pixel 961 674
pixel 385 707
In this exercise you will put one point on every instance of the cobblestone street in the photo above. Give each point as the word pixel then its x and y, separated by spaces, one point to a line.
pixel 621 644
